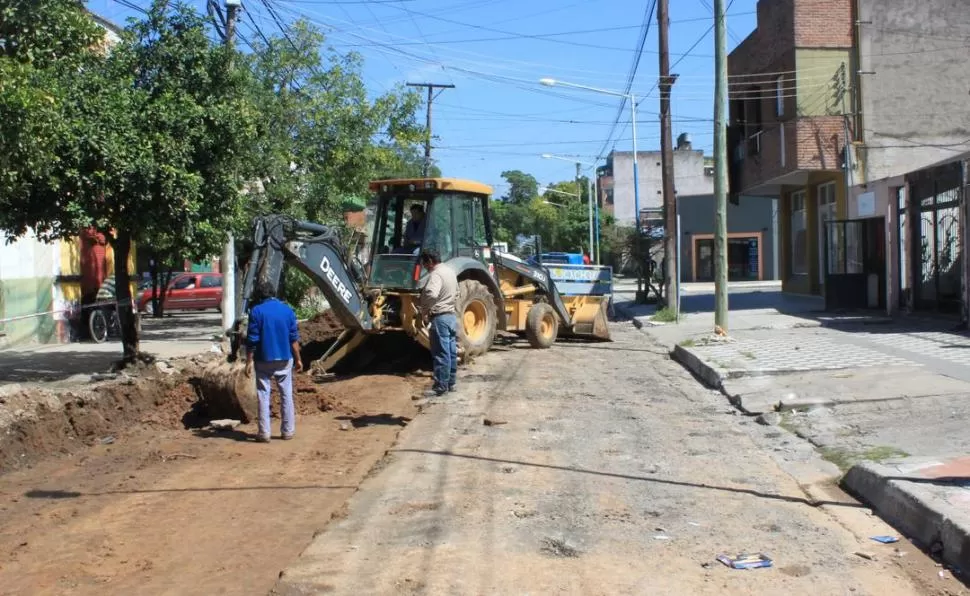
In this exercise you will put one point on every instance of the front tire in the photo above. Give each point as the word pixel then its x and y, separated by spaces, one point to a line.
pixel 477 317
pixel 541 326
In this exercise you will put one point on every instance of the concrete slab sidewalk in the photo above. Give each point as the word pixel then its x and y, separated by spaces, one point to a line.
pixel 176 336
pixel 926 499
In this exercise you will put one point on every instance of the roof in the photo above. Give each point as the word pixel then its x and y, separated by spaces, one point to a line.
pixel 105 23
pixel 452 184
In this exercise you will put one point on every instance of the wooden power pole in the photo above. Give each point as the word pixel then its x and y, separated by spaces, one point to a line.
pixel 720 167
pixel 667 161
pixel 427 136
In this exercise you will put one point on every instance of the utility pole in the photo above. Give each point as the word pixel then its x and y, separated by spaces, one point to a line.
pixel 720 168
pixel 667 160
pixel 227 263
pixel 589 207
pixel 427 137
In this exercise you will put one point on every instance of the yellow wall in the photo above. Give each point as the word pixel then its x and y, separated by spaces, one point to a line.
pixel 817 81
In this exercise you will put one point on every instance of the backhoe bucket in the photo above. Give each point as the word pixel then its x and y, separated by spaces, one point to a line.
pixel 228 392
pixel 589 317
pixel 347 343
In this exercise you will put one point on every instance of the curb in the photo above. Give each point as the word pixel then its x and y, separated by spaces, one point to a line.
pixel 914 510
pixel 626 314
pixel 697 366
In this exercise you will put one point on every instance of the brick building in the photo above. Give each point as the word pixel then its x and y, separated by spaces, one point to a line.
pixel 790 85
pixel 838 110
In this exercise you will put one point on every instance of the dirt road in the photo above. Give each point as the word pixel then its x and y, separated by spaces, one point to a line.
pixel 604 469
pixel 166 510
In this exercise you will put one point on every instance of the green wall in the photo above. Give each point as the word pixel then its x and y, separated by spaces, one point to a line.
pixel 818 75
pixel 25 297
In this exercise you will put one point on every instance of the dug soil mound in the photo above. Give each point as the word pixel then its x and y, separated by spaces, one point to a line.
pixel 35 422
pixel 317 334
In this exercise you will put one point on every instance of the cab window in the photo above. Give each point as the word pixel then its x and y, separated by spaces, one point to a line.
pixel 469 225
pixel 438 231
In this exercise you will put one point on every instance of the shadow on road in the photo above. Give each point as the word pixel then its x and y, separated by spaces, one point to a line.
pixel 682 483
pixel 68 494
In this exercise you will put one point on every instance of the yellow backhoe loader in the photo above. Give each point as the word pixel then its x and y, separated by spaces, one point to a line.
pixel 498 291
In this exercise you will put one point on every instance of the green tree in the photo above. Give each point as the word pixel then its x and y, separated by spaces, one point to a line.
pixel 316 142
pixel 522 187
pixel 151 140
pixel 41 43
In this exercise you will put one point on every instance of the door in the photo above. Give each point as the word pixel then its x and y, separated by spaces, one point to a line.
pixel 470 227
pixel 855 264
pixel 439 233
pixel 210 291
pixel 826 212
pixel 181 292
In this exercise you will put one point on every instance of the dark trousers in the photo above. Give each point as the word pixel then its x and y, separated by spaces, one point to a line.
pixel 444 351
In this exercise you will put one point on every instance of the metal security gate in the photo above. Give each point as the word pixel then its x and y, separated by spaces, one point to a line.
pixel 855 264
pixel 938 279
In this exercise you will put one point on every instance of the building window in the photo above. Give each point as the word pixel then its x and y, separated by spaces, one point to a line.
pixel 753 120
pixel 781 143
pixel 780 96
pixel 826 213
pixel 799 234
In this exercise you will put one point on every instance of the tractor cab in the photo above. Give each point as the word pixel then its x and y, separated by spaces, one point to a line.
pixel 450 216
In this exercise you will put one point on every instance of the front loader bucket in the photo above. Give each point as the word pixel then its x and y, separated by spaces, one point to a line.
pixel 228 392
pixel 590 317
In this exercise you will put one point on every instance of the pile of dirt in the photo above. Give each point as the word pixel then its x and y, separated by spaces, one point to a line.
pixel 35 422
pixel 317 334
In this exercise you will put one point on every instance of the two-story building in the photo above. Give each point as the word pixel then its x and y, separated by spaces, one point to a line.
pixel 832 104
pixel 789 86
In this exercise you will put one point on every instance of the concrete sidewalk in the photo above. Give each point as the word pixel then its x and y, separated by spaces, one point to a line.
pixel 886 400
pixel 928 499
pixel 175 336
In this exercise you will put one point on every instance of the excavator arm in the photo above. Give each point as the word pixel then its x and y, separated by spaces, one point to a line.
pixel 315 250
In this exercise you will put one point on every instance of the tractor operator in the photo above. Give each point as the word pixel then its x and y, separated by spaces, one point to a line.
pixel 414 230
pixel 438 299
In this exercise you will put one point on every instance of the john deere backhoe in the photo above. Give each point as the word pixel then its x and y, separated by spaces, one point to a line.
pixel 498 291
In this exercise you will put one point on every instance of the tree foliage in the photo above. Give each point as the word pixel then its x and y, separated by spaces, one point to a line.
pixel 171 140
pixel 522 187
pixel 321 138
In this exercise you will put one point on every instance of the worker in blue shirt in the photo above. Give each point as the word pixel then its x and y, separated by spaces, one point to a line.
pixel 273 353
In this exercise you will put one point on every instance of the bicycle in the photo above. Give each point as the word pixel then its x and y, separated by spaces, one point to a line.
pixel 103 322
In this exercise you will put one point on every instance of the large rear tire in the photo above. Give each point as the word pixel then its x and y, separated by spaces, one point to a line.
pixel 477 317
pixel 541 326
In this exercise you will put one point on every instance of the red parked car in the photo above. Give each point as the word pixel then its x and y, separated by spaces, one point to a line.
pixel 187 291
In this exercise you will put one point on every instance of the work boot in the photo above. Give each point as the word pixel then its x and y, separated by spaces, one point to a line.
pixel 262 438
pixel 452 389
pixel 433 393
pixel 287 436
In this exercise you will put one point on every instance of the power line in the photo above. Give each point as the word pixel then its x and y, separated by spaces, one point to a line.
pixel 648 21
pixel 389 46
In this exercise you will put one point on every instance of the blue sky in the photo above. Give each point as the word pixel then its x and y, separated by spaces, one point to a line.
pixel 498 117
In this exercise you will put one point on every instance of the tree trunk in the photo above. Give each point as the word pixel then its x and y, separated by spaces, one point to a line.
pixel 126 313
pixel 155 284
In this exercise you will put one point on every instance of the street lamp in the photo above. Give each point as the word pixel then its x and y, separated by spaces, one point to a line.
pixel 594 244
pixel 548 82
